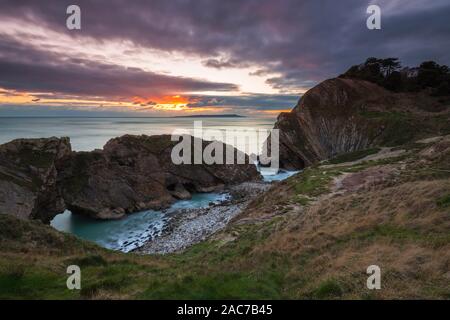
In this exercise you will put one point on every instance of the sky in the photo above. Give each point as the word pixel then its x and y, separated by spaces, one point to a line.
pixel 178 57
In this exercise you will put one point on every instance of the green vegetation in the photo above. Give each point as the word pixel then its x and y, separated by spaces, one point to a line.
pixel 400 127
pixel 225 285
pixel 313 181
pixel 388 74
pixel 397 234
pixel 301 199
pixel 172 276
pixel 391 116
pixel 327 290
pixel 444 202
pixel 294 254
pixel 353 156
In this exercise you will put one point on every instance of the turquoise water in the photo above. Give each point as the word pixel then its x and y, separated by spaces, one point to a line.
pixel 92 133
pixel 133 230
pixel 271 175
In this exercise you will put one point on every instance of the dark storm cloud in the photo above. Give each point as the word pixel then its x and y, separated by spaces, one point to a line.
pixel 304 41
pixel 25 68
pixel 223 63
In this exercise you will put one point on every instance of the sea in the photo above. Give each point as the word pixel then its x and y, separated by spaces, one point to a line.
pixel 87 134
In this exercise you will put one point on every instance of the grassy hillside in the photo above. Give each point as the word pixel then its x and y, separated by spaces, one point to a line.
pixel 311 236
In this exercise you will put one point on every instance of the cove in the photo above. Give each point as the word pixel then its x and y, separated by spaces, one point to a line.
pixel 135 229
pixel 132 231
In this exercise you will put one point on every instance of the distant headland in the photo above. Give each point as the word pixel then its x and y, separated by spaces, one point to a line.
pixel 230 115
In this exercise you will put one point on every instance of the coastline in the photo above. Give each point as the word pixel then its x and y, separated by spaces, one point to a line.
pixel 186 227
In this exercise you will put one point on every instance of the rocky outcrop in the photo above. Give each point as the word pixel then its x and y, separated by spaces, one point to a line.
pixel 28 176
pixel 40 178
pixel 345 115
pixel 134 173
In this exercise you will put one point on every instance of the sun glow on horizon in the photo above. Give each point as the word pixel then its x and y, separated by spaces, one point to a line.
pixel 126 54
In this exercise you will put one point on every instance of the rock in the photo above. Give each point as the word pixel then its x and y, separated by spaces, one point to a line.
pixel 190 226
pixel 111 214
pixel 345 115
pixel 180 192
pixel 135 173
pixel 28 177
pixel 40 178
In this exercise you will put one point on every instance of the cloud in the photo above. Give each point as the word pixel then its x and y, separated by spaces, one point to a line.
pixel 246 101
pixel 224 63
pixel 26 68
pixel 300 42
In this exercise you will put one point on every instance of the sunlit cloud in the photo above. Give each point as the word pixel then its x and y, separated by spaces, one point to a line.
pixel 169 57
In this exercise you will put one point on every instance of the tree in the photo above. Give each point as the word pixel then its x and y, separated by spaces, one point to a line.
pixel 431 74
pixel 394 82
pixel 389 65
pixel 372 60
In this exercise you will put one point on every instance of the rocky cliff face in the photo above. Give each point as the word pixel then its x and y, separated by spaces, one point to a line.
pixel 344 115
pixel 40 178
pixel 28 177
pixel 134 173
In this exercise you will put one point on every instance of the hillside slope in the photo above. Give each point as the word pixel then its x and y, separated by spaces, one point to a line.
pixel 311 236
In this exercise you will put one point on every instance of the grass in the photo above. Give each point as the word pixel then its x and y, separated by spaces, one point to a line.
pixel 353 156
pixel 313 181
pixel 397 234
pixel 223 285
pixel 90 260
pixel 328 289
pixel 32 284
pixel 308 254
pixel 396 115
pixel 402 127
pixel 302 200
pixel 444 202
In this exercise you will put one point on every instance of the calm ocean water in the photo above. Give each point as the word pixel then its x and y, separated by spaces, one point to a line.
pixel 92 133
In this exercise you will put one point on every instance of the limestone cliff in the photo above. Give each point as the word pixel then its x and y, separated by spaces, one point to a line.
pixel 134 173
pixel 40 178
pixel 344 115
pixel 28 177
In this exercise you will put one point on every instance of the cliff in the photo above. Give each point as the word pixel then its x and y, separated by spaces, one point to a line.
pixel 345 115
pixel 28 177
pixel 40 178
pixel 134 173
